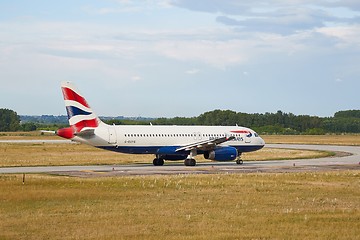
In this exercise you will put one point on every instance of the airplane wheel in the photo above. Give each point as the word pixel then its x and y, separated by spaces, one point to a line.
pixel 158 162
pixel 190 162
pixel 239 161
pixel 186 162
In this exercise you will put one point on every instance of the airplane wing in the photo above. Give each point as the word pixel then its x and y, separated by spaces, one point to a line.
pixel 205 145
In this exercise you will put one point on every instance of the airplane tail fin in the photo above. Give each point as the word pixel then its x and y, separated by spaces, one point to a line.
pixel 79 112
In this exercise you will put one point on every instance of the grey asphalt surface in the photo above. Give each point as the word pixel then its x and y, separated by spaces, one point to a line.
pixel 341 162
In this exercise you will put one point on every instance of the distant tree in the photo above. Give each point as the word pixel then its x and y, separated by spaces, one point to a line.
pixel 347 114
pixel 28 127
pixel 9 120
pixel 218 117
pixel 315 131
pixel 342 125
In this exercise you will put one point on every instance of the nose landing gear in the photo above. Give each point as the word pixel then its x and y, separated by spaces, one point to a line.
pixel 239 160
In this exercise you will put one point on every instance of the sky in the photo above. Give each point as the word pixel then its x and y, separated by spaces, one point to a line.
pixel 167 58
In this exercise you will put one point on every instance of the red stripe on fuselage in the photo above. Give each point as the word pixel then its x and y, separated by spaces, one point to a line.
pixel 240 131
pixel 71 95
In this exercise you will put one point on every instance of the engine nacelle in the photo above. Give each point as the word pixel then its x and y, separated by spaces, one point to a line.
pixel 222 154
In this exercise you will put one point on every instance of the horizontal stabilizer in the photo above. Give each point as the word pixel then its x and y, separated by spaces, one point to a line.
pixel 47 131
pixel 85 133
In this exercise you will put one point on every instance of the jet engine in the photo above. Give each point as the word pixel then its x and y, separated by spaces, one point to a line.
pixel 222 154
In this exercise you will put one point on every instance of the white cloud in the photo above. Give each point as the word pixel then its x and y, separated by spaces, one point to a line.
pixel 192 71
pixel 338 80
pixel 215 53
pixel 97 43
pixel 277 16
pixel 347 36
pixel 136 78
pixel 308 45
pixel 127 6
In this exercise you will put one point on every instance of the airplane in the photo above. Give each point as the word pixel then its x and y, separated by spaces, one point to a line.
pixel 217 143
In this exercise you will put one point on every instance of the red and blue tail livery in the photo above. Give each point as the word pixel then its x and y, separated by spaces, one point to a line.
pixel 217 143
pixel 79 113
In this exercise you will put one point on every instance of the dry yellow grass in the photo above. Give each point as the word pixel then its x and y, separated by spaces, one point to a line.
pixel 48 154
pixel 350 139
pixel 282 154
pixel 35 135
pixel 235 206
pixel 215 206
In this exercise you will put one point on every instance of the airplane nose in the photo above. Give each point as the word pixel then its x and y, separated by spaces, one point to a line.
pixel 261 141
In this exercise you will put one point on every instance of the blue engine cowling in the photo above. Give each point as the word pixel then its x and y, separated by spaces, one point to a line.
pixel 169 153
pixel 222 154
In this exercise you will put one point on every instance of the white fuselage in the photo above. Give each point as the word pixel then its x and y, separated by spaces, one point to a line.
pixel 147 139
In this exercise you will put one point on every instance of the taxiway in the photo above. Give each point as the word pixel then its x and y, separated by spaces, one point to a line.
pixel 348 159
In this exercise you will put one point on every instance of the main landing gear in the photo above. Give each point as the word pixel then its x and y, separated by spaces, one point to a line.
pixel 190 161
pixel 158 162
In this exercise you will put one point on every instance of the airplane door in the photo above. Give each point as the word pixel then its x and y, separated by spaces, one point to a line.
pixel 248 138
pixel 112 135
pixel 197 136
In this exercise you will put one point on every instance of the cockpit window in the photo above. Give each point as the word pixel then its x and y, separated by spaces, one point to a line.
pixel 256 135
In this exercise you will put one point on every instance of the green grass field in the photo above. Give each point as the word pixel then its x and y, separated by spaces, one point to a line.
pixel 314 205
pixel 221 206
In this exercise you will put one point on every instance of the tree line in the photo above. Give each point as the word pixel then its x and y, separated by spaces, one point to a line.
pixel 268 123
